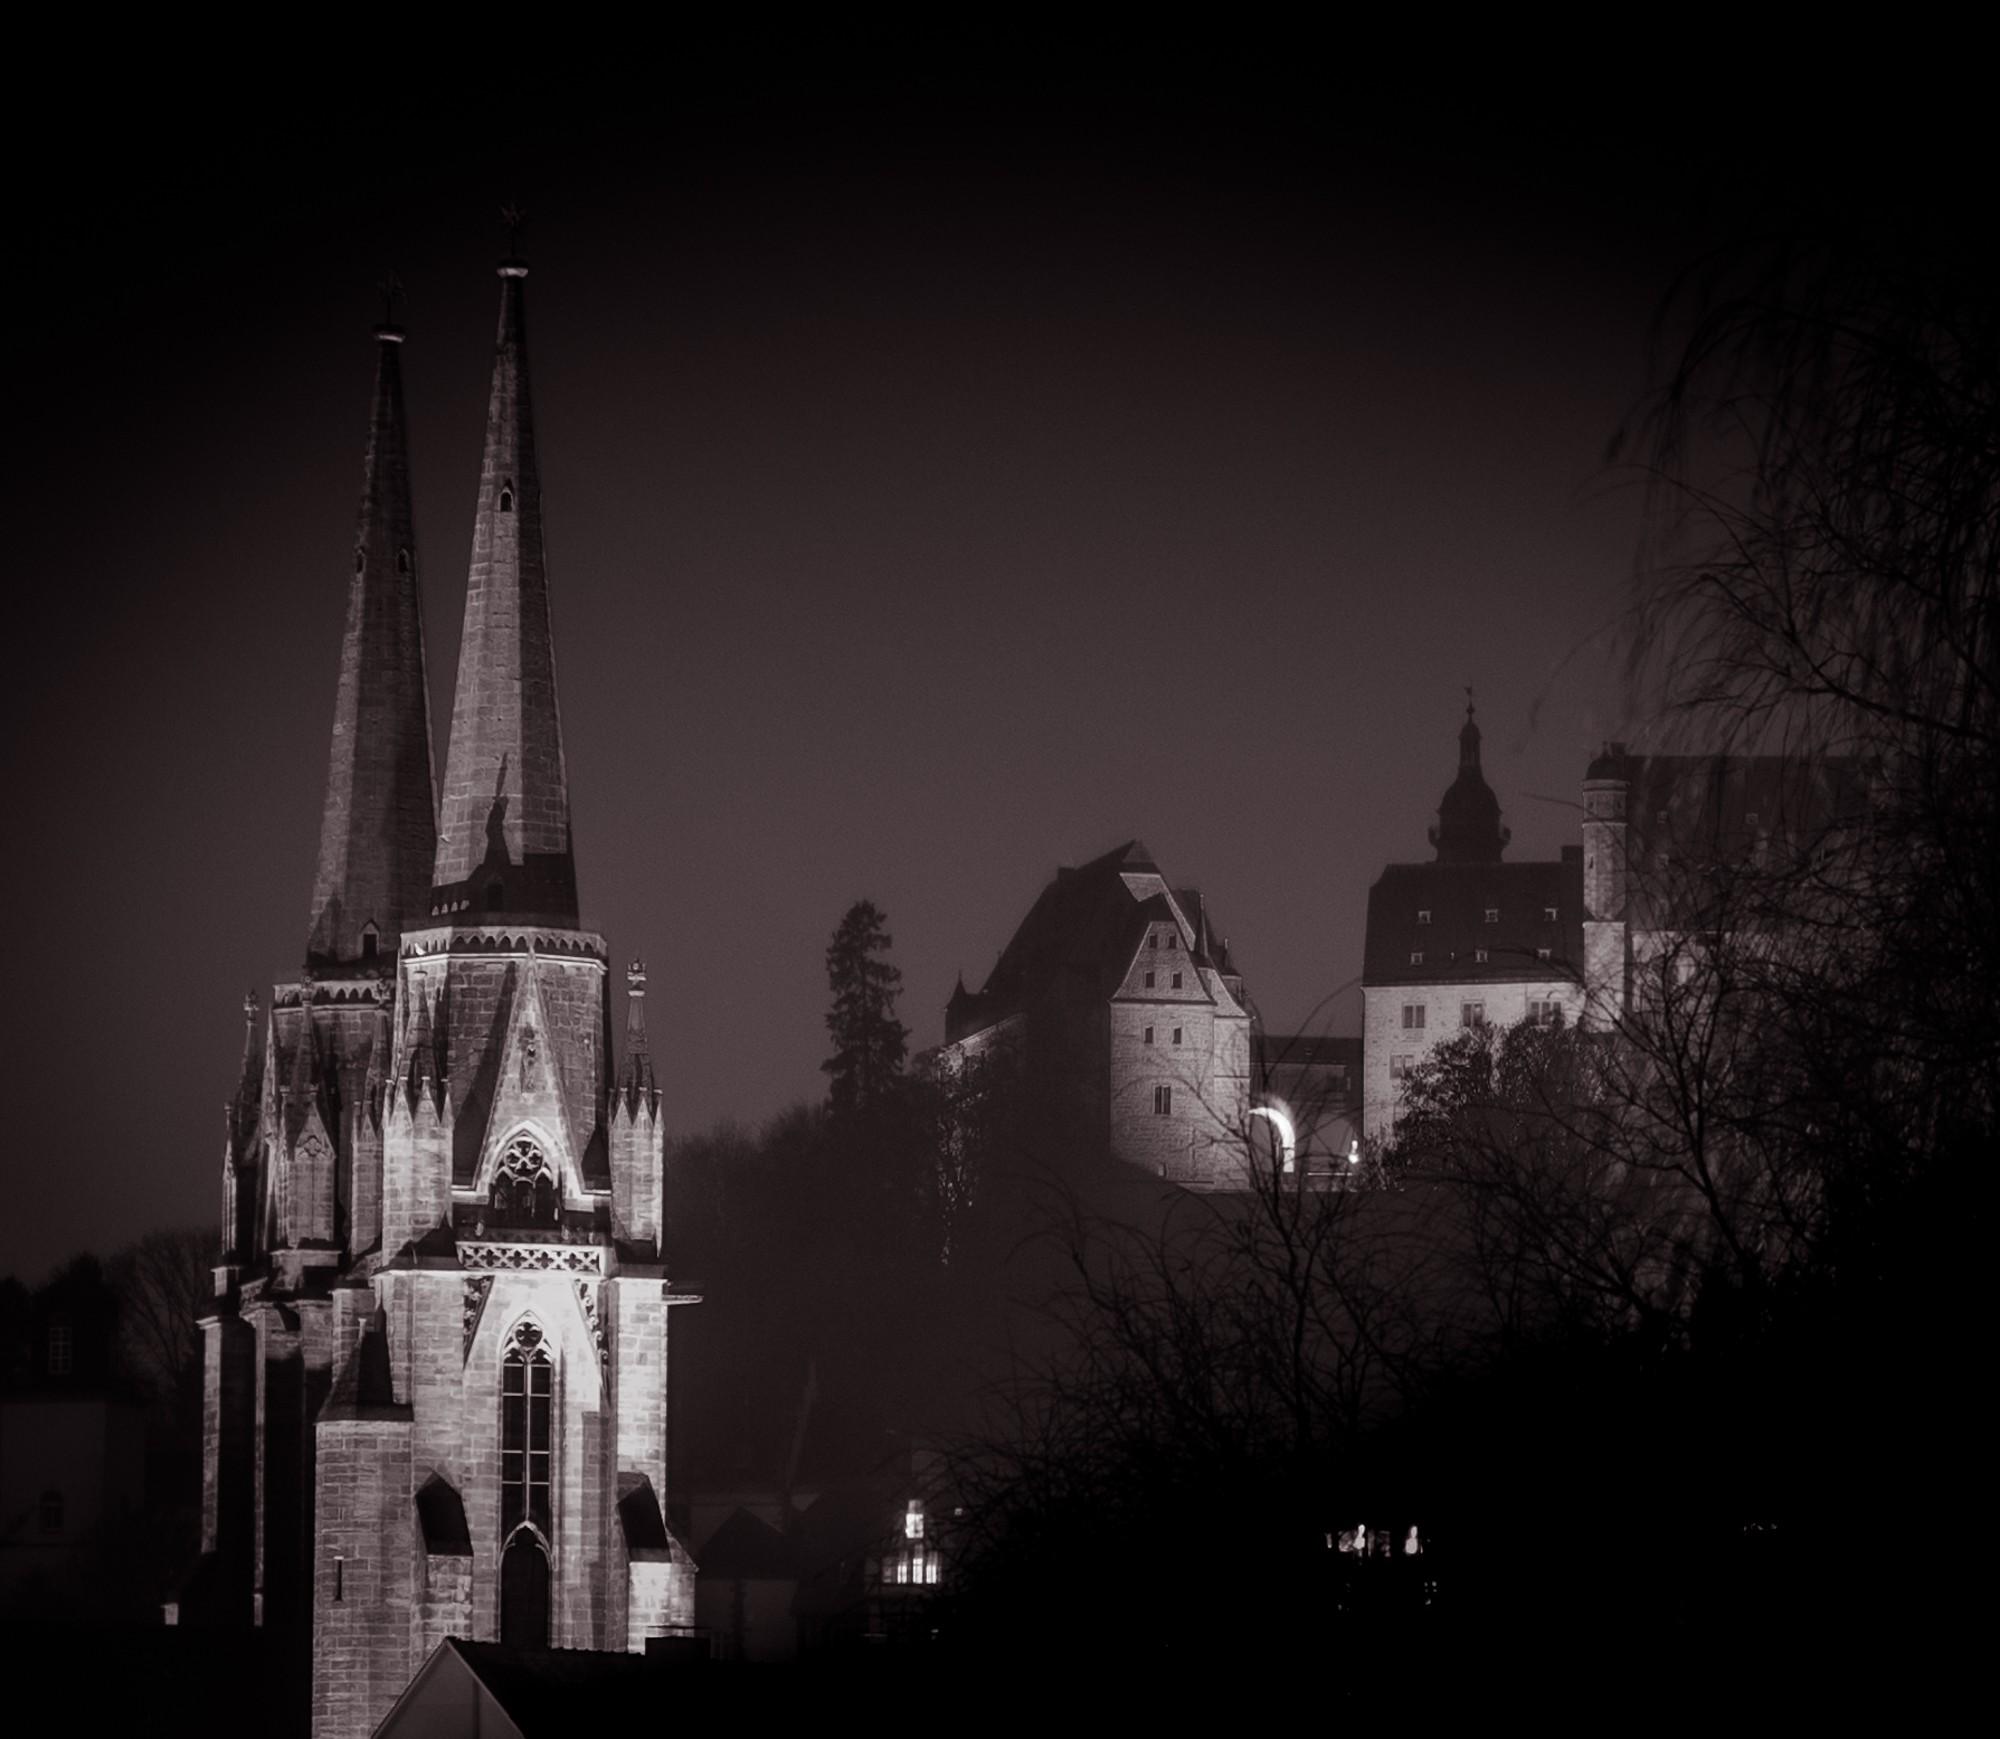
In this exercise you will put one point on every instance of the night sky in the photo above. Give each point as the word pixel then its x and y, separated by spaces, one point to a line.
pixel 933 498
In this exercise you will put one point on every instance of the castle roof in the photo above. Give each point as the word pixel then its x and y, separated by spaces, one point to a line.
pixel 378 829
pixel 504 829
pixel 1078 938
pixel 1427 922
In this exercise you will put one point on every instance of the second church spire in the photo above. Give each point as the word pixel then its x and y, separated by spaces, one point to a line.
pixel 504 834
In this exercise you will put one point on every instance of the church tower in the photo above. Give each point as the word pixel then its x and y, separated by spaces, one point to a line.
pixel 446 1206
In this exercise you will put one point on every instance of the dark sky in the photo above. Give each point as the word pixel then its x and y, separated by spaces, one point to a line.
pixel 934 496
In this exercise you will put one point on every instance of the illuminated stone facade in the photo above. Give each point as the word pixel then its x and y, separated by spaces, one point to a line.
pixel 1122 1021
pixel 437 1356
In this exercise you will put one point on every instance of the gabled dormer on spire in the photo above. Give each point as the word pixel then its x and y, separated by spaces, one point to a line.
pixel 378 832
pixel 1468 826
pixel 504 833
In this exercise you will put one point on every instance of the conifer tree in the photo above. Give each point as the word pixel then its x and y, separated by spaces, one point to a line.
pixel 868 1040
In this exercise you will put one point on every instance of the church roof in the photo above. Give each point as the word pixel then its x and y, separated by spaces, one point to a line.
pixel 378 828
pixel 504 828
pixel 540 1691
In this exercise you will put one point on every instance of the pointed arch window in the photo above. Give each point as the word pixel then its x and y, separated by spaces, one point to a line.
pixel 402 561
pixel 524 1187
pixel 527 1383
pixel 507 498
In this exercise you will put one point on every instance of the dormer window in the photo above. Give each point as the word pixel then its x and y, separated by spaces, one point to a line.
pixel 506 498
pixel 1479 957
pixel 1543 954
pixel 1493 914
pixel 1423 914
pixel 1416 957
pixel 1548 914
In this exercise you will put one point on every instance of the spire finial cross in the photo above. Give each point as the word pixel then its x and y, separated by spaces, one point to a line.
pixel 1468 700
pixel 391 291
pixel 513 215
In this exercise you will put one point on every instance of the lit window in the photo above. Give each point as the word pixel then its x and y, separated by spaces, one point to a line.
pixel 931 1569
pixel 62 1349
pixel 1177 981
pixel 525 1425
pixel 1149 981
pixel 913 1520
pixel 1177 1035
pixel 1163 1101
pixel 1149 1035
pixel 1493 914
pixel 1416 957
pixel 1472 1014
pixel 1423 914
pixel 52 1512
pixel 1413 1017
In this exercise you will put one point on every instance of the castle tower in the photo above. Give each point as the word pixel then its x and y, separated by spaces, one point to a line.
pixel 492 1459
pixel 1468 826
pixel 1606 885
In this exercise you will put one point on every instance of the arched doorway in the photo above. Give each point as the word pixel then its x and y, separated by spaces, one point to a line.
pixel 524 1593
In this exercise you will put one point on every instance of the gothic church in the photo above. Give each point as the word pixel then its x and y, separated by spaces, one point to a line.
pixel 436 1361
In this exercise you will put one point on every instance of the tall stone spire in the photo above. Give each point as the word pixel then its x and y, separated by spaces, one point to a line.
pixel 1468 826
pixel 504 834
pixel 378 833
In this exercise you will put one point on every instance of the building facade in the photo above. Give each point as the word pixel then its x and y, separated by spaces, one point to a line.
pixel 437 1355
pixel 1675 851
pixel 1464 940
pixel 1119 1015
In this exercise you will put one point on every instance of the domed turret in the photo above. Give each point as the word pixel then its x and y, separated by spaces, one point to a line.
pixel 1468 826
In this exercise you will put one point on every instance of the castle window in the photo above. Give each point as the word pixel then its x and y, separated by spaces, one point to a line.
pixel 1423 914
pixel 526 1382
pixel 1149 981
pixel 1163 1101
pixel 402 561
pixel 1416 957
pixel 1543 954
pixel 1153 939
pixel 370 943
pixel 1479 957
pixel 1177 1035
pixel 1548 914
pixel 1400 1067
pixel 52 1512
pixel 339 1577
pixel 1413 1017
pixel 524 1593
pixel 62 1349
pixel 1543 1013
pixel 1149 1035
pixel 506 498
pixel 1493 914
pixel 1472 1014
pixel 1171 939
pixel 1177 981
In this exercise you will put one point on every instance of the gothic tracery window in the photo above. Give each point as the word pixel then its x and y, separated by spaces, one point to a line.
pixel 524 1187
